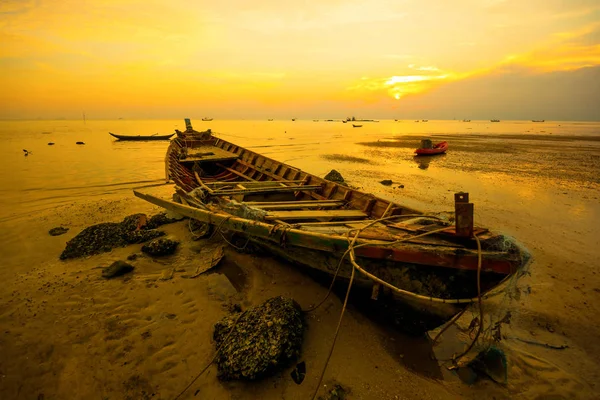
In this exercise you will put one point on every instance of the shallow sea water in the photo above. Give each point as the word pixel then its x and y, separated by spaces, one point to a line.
pixel 65 172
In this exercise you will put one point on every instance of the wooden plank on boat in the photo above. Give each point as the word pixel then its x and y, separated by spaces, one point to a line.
pixel 233 171
pixel 250 183
pixel 291 206
pixel 272 203
pixel 499 262
pixel 209 153
pixel 230 192
pixel 286 215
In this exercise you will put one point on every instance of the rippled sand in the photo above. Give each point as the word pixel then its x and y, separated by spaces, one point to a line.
pixel 68 333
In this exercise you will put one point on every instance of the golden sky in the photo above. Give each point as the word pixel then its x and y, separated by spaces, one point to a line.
pixel 312 59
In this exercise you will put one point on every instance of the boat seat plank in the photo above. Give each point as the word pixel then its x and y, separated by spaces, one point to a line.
pixel 208 153
pixel 251 183
pixel 273 189
pixel 291 206
pixel 307 214
pixel 272 203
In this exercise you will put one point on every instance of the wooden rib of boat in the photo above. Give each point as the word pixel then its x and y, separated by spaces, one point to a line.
pixel 311 221
pixel 140 137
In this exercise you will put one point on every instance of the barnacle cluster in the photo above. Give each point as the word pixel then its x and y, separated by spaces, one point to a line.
pixel 160 247
pixel 264 339
pixel 104 237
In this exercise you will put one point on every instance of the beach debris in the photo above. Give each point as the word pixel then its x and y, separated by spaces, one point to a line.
pixel 216 255
pixel 261 341
pixel 160 247
pixel 492 363
pixel 115 269
pixel 334 176
pixel 59 230
pixel 79 143
pixel 299 373
pixel 337 392
pixel 198 229
pixel 50 143
pixel 106 236
pixel 386 182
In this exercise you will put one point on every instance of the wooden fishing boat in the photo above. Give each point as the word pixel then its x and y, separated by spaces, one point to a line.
pixel 426 260
pixel 140 137
pixel 439 148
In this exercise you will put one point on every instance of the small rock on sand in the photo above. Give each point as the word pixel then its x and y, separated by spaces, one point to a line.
pixel 59 230
pixel 334 176
pixel 117 268
pixel 386 182
pixel 160 247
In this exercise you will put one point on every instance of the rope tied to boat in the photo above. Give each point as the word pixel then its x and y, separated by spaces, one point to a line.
pixel 351 246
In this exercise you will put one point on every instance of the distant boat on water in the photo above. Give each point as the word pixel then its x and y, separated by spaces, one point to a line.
pixel 494 120
pixel 356 126
pixel 140 137
pixel 293 119
pixel 538 120
pixel 207 119
pixel 424 120
pixel 466 120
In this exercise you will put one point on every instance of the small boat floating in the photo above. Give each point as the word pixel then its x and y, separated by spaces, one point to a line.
pixel 140 137
pixel 356 126
pixel 439 148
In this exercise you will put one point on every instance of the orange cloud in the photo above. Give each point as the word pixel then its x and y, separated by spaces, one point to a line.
pixel 566 51
pixel 416 79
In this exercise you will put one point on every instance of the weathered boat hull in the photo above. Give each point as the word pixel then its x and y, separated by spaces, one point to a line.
pixel 315 222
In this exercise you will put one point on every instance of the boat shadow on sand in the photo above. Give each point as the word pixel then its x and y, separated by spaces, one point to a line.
pixel 424 161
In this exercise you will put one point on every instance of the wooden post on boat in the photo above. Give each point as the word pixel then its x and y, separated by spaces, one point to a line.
pixel 463 213
pixel 188 125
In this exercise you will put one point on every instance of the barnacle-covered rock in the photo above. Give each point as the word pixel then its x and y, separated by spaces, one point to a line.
pixel 160 247
pixel 142 236
pixel 108 235
pixel 159 219
pixel 134 221
pixel 93 240
pixel 264 339
pixel 334 176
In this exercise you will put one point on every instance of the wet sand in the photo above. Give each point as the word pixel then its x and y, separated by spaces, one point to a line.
pixel 65 332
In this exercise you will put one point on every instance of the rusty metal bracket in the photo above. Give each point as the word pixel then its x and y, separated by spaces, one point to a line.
pixel 463 211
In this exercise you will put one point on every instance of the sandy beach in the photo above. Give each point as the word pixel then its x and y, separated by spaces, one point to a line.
pixel 66 332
